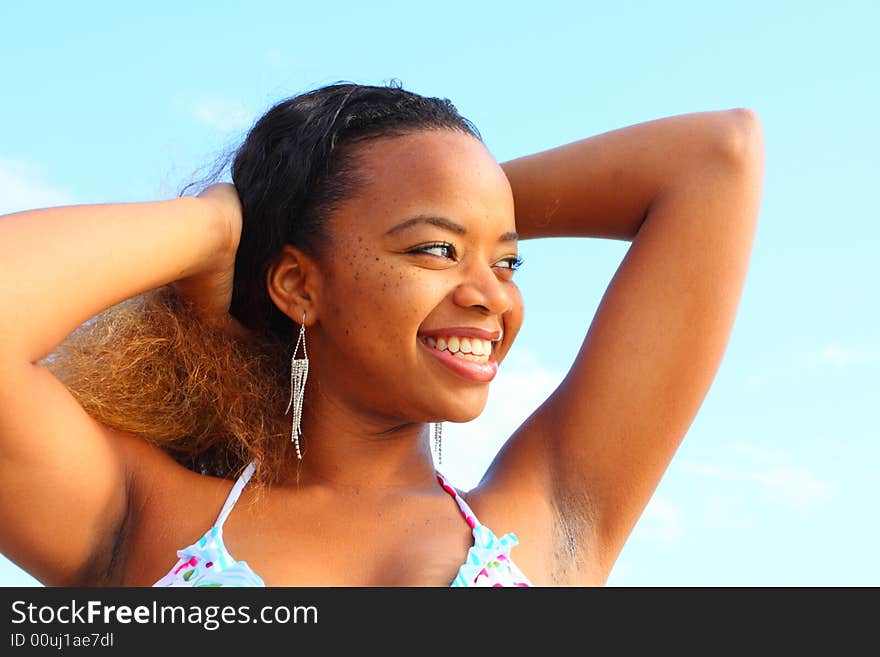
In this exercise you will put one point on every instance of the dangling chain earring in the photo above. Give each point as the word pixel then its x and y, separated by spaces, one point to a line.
pixel 299 371
pixel 438 441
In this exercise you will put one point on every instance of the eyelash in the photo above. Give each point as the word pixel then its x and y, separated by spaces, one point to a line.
pixel 515 262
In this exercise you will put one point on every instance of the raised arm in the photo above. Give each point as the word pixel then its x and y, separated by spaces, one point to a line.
pixel 686 191
pixel 65 477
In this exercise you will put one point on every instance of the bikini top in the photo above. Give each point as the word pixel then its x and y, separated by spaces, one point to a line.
pixel 207 562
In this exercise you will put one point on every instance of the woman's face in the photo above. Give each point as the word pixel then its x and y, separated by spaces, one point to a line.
pixel 427 247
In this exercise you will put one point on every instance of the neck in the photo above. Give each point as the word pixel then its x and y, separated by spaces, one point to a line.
pixel 345 449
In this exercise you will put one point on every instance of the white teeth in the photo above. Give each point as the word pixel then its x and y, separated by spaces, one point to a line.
pixel 465 347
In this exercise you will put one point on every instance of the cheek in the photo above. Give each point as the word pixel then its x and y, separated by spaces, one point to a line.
pixel 513 318
pixel 383 302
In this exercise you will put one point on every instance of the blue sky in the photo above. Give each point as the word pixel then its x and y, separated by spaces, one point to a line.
pixel 776 481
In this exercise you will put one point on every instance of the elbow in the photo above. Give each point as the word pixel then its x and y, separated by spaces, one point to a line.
pixel 742 138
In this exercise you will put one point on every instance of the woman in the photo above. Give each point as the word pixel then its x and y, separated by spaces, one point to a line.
pixel 370 233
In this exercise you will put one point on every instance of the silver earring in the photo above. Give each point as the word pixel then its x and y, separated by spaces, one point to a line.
pixel 299 371
pixel 438 441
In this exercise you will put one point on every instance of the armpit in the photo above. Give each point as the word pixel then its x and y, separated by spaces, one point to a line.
pixel 573 523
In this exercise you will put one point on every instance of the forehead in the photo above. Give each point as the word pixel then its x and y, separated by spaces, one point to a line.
pixel 440 171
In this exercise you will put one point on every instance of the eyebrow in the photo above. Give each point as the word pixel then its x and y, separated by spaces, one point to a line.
pixel 445 223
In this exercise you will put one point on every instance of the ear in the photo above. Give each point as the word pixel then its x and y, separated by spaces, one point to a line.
pixel 294 283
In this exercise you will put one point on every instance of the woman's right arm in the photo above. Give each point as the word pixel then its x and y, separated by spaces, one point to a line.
pixel 64 476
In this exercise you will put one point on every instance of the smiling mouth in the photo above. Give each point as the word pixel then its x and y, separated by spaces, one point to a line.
pixel 479 368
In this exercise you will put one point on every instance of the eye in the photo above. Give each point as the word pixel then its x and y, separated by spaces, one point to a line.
pixel 513 263
pixel 446 249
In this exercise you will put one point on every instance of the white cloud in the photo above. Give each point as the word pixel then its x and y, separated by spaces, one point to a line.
pixel 792 487
pixel 834 354
pixel 660 522
pixel 224 114
pixel 841 355
pixel 708 470
pixel 759 453
pixel 522 384
pixel 23 187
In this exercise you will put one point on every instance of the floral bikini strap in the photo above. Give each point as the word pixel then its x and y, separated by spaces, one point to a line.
pixel 234 493
pixel 465 509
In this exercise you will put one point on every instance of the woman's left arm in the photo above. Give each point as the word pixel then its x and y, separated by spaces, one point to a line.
pixel 686 190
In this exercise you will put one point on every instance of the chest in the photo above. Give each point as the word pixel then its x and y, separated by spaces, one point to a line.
pixel 388 549
pixel 291 542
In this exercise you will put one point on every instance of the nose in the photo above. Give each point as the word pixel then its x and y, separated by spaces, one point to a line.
pixel 482 288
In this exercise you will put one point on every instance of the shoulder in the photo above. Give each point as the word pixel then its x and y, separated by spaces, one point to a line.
pixel 554 524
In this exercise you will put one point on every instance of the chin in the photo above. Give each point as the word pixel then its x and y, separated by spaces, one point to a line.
pixel 461 413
